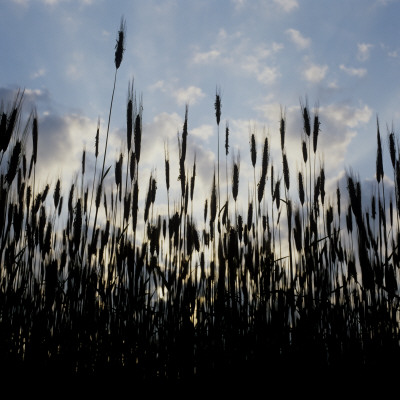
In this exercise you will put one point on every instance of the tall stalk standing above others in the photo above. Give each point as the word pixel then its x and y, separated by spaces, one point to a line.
pixel 119 52
pixel 218 117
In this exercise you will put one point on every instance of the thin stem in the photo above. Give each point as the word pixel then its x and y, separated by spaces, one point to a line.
pixel 105 150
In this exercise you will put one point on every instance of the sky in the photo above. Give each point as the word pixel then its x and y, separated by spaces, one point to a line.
pixel 264 56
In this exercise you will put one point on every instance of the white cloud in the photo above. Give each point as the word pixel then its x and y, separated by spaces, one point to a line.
pixel 287 5
pixel 235 50
pixel 60 145
pixel 348 116
pixel 359 72
pixel 340 124
pixel 189 95
pixel 264 74
pixel 33 93
pixel 263 51
pixel 163 128
pixel 37 74
pixel 277 47
pixel 268 75
pixel 363 52
pixel 159 85
pixel 298 39
pixel 206 57
pixel 203 132
pixel 315 73
pixel 270 109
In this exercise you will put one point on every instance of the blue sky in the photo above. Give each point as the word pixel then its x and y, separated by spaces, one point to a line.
pixel 264 55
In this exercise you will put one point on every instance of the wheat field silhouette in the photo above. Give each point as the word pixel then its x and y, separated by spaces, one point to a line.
pixel 305 283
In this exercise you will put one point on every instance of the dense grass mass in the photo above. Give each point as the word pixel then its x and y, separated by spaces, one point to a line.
pixel 91 296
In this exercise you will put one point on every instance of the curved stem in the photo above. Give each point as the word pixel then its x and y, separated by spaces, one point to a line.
pixel 105 152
